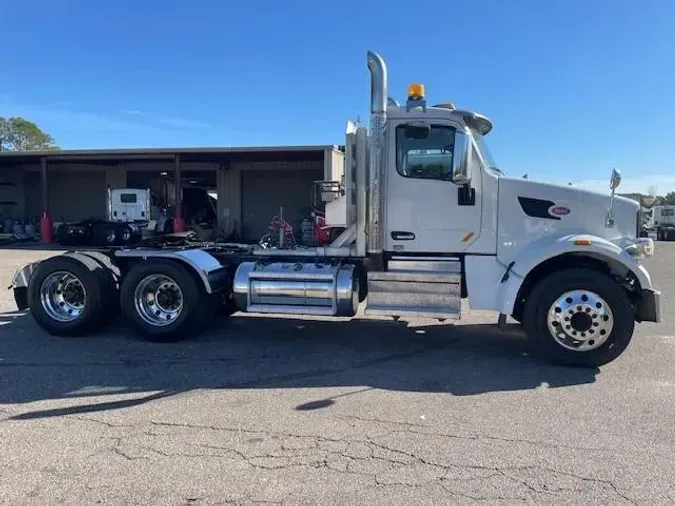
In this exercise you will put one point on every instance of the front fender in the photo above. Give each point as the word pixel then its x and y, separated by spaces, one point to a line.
pixel 547 248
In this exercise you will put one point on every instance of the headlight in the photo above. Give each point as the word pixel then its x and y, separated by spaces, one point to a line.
pixel 641 248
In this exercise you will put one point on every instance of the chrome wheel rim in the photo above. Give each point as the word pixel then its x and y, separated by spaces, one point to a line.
pixel 63 296
pixel 580 320
pixel 158 300
pixel 126 235
pixel 110 236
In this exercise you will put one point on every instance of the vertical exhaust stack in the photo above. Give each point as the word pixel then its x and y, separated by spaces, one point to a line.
pixel 378 117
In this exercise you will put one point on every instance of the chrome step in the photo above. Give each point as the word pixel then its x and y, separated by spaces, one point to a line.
pixel 418 287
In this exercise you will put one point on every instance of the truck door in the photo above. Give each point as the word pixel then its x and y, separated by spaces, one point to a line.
pixel 423 209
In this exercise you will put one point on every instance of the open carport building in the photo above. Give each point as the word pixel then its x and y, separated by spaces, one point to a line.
pixel 250 184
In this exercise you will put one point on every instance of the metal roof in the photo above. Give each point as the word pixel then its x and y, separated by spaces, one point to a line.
pixel 215 154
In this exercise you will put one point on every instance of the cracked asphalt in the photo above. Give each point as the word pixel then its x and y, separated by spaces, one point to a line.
pixel 311 411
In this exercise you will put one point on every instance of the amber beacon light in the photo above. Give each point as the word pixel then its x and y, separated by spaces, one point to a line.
pixel 416 91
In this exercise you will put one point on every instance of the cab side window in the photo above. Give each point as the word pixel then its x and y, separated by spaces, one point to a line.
pixel 429 158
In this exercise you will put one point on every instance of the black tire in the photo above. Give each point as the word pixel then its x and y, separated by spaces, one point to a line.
pixel 62 236
pixel 110 278
pixel 126 235
pixel 105 234
pixel 197 306
pixel 545 293
pixel 92 277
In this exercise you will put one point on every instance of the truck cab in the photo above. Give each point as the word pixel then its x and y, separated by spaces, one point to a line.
pixel 129 205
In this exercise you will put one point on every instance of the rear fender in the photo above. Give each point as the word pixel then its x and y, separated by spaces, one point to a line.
pixel 22 276
pixel 213 275
pixel 20 283
pixel 548 248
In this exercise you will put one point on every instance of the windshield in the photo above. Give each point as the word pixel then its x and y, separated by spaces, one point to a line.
pixel 484 152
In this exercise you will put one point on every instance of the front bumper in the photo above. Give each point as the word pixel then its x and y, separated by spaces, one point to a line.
pixel 649 306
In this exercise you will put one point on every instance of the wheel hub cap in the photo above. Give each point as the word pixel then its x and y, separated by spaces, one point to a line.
pixel 62 296
pixel 580 320
pixel 158 300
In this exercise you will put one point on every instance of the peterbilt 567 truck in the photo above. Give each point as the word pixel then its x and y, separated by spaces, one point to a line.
pixel 427 219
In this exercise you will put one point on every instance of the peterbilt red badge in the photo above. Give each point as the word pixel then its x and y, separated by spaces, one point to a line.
pixel 559 211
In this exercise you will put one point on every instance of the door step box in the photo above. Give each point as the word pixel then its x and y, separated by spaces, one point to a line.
pixel 416 286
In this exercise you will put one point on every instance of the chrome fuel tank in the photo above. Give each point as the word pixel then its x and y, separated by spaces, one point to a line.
pixel 296 288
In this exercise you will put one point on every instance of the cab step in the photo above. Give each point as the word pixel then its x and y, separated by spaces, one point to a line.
pixel 420 287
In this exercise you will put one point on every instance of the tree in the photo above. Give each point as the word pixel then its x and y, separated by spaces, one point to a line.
pixel 19 134
pixel 669 199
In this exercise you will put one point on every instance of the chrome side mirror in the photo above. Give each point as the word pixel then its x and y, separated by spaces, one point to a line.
pixel 615 180
pixel 614 183
pixel 461 159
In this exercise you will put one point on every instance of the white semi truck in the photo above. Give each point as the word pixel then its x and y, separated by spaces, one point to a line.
pixel 128 211
pixel 428 220
pixel 662 221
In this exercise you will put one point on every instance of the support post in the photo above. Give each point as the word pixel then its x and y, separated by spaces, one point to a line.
pixel 178 221
pixel 46 223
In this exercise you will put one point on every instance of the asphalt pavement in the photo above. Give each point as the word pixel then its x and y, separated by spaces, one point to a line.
pixel 312 411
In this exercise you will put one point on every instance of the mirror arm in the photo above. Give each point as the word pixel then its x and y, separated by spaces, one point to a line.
pixel 614 183
pixel 609 221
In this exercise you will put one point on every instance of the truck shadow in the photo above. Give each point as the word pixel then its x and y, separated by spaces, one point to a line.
pixel 246 352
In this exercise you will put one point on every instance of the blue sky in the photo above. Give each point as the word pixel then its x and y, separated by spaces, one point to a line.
pixel 573 87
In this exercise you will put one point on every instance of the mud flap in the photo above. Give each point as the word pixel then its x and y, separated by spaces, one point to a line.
pixel 21 298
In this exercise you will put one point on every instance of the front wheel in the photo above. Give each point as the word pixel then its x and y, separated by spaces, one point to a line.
pixel 578 317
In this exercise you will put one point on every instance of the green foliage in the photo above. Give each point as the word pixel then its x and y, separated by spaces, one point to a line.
pixel 19 134
pixel 669 199
pixel 659 200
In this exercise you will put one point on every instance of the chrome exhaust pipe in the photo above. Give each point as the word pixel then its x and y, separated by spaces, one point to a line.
pixel 378 117
pixel 378 83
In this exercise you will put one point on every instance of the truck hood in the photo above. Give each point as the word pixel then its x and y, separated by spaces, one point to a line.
pixel 530 209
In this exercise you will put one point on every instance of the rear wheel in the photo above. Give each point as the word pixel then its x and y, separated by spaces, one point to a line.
pixel 578 317
pixel 67 295
pixel 164 302
pixel 105 234
pixel 111 278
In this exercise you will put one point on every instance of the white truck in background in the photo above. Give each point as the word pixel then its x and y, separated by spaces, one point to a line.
pixel 428 219
pixel 128 211
pixel 129 205
pixel 662 222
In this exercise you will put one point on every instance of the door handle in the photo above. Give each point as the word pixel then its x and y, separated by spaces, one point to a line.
pixel 400 235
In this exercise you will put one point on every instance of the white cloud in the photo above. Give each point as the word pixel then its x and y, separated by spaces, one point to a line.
pixel 132 112
pixel 52 118
pixel 57 116
pixel 167 120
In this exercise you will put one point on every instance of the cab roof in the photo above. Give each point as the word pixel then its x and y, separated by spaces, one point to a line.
pixel 473 120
